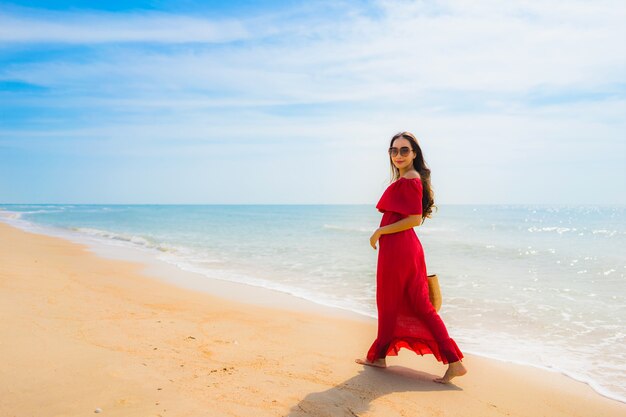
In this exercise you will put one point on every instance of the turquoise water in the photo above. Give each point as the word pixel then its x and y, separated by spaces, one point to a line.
pixel 542 285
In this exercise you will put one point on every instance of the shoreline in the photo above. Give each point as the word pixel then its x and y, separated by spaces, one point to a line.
pixel 139 279
pixel 247 293
pixel 171 273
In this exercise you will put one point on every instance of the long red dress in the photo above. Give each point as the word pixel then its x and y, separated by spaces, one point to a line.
pixel 406 318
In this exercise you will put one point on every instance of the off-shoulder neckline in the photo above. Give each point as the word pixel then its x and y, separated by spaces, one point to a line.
pixel 408 179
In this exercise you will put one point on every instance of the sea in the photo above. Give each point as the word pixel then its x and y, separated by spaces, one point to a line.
pixel 541 285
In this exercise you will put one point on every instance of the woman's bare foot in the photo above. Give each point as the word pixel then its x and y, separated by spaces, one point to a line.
pixel 454 369
pixel 378 363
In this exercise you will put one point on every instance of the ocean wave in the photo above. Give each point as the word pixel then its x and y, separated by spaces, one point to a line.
pixel 609 233
pixel 10 214
pixel 370 229
pixel 42 211
pixel 133 239
pixel 559 230
pixel 562 230
pixel 348 229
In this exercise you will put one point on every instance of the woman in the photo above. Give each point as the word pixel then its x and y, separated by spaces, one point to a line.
pixel 406 318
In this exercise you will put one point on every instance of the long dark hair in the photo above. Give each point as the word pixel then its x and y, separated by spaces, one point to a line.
pixel 428 197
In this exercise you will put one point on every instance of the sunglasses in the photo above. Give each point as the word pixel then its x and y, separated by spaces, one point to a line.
pixel 403 151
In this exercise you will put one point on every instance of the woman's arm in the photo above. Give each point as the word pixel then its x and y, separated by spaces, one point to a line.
pixel 408 222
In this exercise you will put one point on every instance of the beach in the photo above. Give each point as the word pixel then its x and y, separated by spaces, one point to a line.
pixel 83 334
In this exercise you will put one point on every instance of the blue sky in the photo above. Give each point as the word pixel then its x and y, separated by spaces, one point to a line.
pixel 294 102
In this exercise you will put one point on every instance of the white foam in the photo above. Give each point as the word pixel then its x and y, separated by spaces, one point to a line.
pixel 134 239
pixel 559 230
pixel 10 215
pixel 348 229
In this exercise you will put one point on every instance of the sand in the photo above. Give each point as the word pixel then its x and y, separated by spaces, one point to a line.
pixel 79 332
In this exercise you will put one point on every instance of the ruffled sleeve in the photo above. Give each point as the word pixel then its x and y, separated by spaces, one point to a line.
pixel 403 196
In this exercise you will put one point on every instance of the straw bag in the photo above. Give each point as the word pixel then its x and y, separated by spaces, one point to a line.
pixel 434 291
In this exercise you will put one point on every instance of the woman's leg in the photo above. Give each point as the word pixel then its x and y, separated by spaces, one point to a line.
pixel 386 325
pixel 376 354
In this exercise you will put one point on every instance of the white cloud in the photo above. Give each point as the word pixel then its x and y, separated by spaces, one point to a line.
pixel 99 27
pixel 400 53
pixel 497 89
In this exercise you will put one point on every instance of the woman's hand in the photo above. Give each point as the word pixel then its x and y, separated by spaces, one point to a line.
pixel 374 238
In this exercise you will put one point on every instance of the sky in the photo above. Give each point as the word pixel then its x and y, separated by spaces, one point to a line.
pixel 286 102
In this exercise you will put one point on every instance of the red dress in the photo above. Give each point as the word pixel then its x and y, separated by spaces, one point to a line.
pixel 406 318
